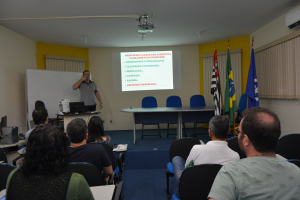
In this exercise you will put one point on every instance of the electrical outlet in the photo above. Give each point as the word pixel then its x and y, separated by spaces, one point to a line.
pixel 110 121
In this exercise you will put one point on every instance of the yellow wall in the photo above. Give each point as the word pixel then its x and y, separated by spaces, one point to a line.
pixel 235 43
pixel 59 50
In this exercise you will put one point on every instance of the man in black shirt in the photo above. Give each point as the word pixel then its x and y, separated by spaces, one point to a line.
pixel 80 151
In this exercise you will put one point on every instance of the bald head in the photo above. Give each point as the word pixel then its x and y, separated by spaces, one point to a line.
pixel 262 126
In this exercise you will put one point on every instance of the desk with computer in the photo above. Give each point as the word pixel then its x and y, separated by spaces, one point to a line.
pixel 9 136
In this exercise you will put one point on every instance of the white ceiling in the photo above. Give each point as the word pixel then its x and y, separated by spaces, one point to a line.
pixel 176 21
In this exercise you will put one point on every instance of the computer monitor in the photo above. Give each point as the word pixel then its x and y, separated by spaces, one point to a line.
pixel 3 123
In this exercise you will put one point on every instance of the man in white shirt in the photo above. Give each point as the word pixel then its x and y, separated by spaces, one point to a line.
pixel 214 152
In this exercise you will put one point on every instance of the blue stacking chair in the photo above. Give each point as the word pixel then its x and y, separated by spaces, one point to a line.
pixel 149 102
pixel 5 169
pixel 233 144
pixel 197 101
pixel 288 146
pixel 174 101
pixel 196 181
pixel 180 147
pixel 242 107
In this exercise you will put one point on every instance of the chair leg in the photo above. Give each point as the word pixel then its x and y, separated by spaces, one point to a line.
pixel 142 130
pixel 168 192
pixel 159 131
pixel 195 129
pixel 184 130
pixel 168 130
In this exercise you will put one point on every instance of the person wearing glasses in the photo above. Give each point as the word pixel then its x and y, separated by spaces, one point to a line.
pixel 261 175
pixel 214 152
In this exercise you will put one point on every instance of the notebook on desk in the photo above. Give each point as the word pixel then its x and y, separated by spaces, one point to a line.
pixel 77 108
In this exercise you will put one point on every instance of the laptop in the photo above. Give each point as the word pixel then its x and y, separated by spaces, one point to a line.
pixel 77 107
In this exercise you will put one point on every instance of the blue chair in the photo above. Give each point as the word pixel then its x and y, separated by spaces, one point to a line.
pixel 180 147
pixel 295 161
pixel 233 144
pixel 242 107
pixel 5 169
pixel 288 146
pixel 149 102
pixel 196 181
pixel 174 101
pixel 197 101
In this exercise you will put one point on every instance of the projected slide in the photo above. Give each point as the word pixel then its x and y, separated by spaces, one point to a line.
pixel 151 70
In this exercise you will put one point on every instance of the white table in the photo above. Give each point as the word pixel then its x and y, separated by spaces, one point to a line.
pixel 19 143
pixel 174 115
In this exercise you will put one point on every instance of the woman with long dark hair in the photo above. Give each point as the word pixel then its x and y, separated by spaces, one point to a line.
pixel 44 173
pixel 96 132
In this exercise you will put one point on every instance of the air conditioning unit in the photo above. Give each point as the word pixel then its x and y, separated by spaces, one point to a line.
pixel 292 19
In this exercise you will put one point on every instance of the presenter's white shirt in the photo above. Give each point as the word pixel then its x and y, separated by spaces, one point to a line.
pixel 214 152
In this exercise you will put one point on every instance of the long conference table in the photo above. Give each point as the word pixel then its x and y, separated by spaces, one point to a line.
pixel 174 115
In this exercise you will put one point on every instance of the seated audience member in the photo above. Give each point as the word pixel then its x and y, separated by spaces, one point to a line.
pixel 261 175
pixel 96 132
pixel 80 151
pixel 40 117
pixel 214 152
pixel 44 173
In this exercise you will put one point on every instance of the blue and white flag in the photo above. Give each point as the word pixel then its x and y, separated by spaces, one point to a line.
pixel 252 87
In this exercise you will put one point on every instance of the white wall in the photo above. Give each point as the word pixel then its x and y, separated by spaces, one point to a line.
pixel 16 54
pixel 101 68
pixel 288 111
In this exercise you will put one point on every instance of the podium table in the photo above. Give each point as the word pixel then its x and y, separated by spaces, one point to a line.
pixel 69 117
pixel 175 115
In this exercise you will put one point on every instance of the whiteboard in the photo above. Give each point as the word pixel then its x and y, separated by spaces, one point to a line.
pixel 49 87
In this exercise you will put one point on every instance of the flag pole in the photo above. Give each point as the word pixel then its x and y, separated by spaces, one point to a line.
pixel 219 82
pixel 250 62
pixel 234 110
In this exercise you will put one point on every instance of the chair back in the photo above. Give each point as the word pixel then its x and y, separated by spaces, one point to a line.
pixel 90 172
pixel 295 161
pixel 234 145
pixel 109 153
pixel 149 102
pixel 182 147
pixel 242 103
pixel 3 157
pixel 197 100
pixel 288 146
pixel 173 101
pixel 39 104
pixel 196 181
pixel 5 169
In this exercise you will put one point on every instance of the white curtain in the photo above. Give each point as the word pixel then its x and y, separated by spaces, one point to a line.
pixel 236 70
pixel 60 63
pixel 278 69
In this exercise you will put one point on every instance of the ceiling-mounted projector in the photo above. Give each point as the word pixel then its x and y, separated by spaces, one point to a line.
pixel 144 26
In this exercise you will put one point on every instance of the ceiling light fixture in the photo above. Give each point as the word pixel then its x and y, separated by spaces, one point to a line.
pixel 199 33
pixel 144 26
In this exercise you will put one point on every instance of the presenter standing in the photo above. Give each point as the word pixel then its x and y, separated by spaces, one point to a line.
pixel 88 91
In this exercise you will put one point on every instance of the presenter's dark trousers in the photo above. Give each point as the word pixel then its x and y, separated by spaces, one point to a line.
pixel 90 108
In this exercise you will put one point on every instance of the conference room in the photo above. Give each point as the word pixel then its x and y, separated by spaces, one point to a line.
pixel 96 35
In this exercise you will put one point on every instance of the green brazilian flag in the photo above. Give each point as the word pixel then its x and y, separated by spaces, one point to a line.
pixel 229 91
